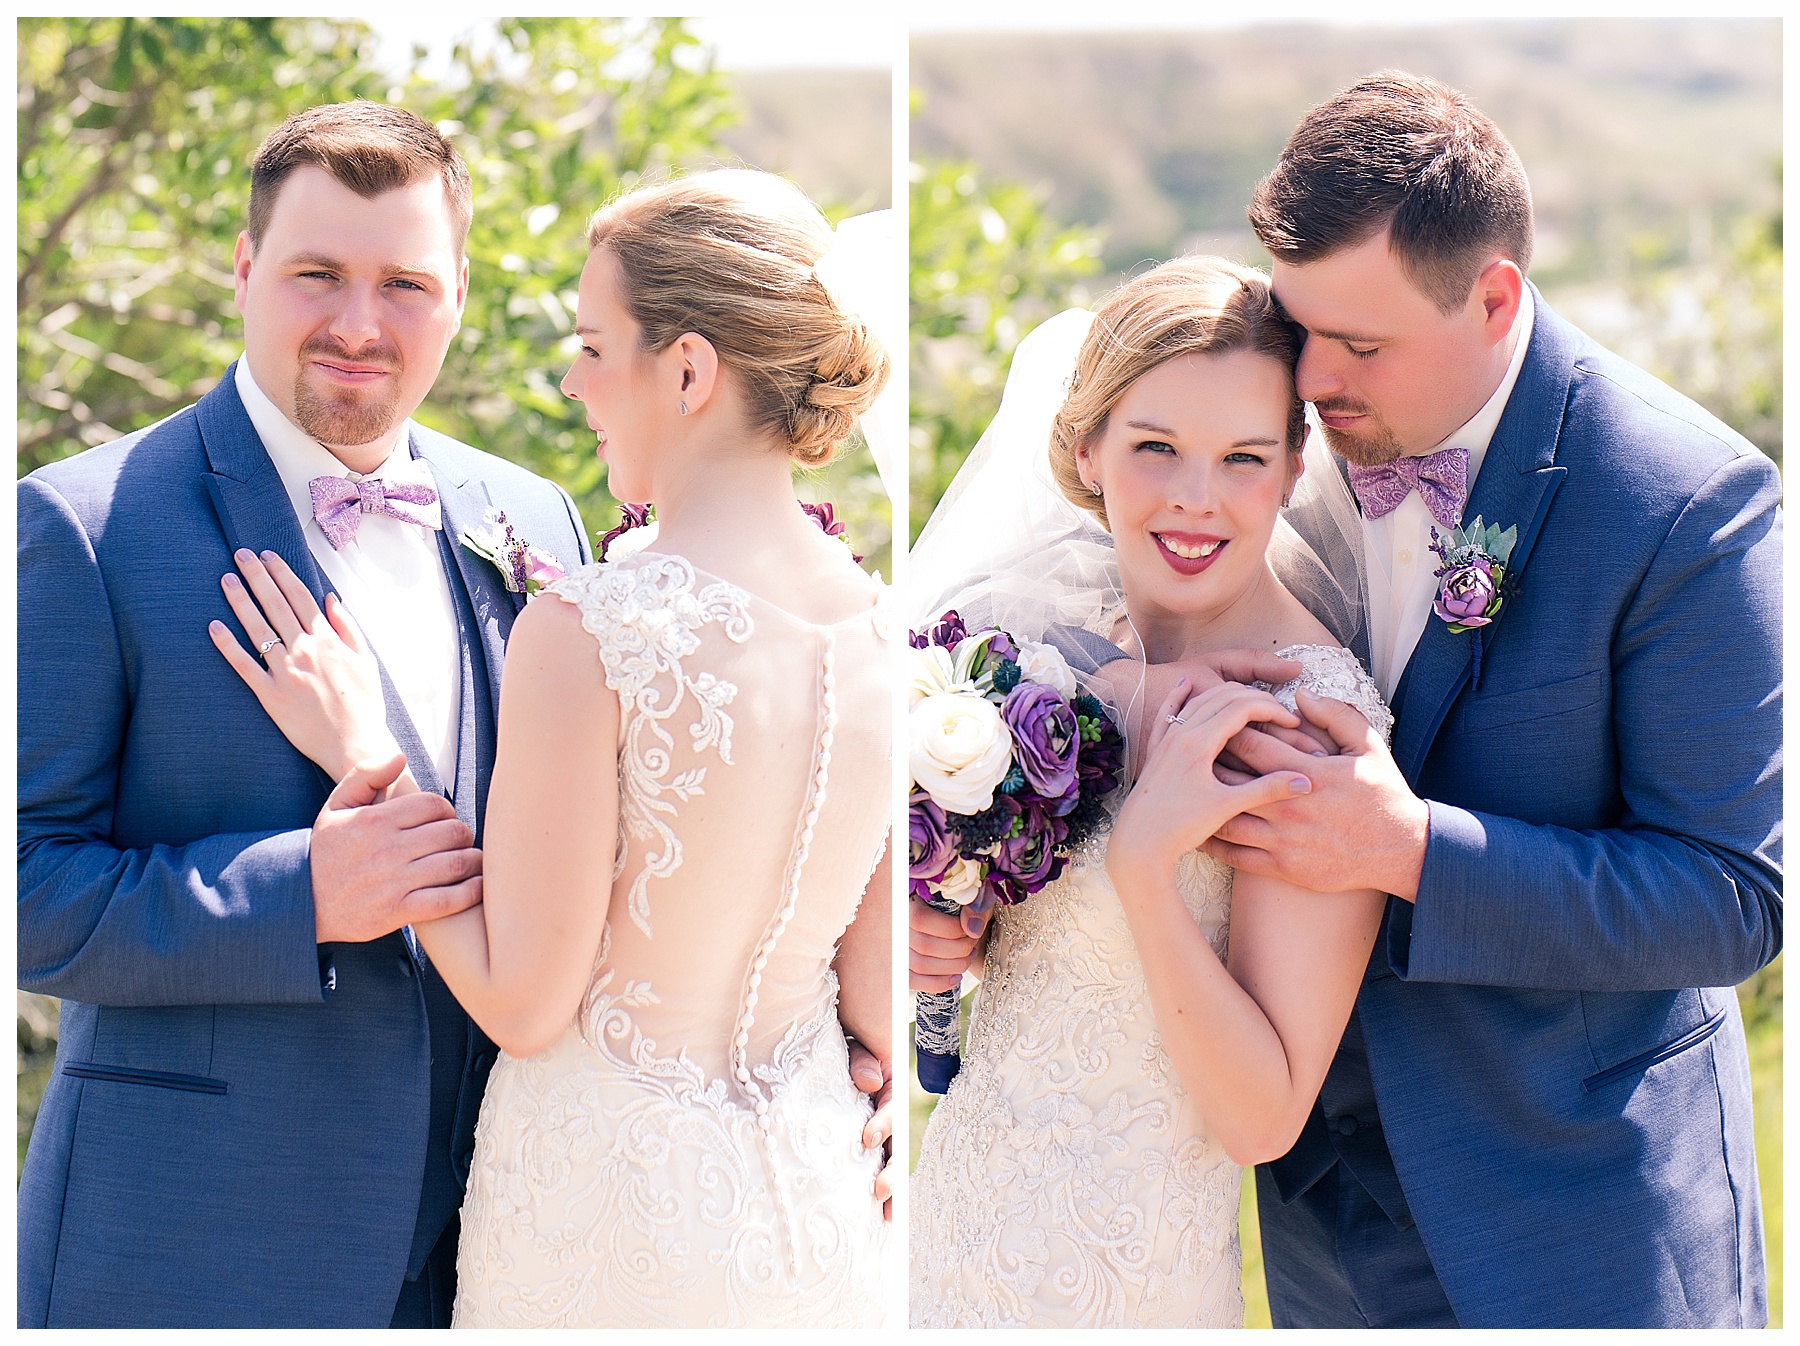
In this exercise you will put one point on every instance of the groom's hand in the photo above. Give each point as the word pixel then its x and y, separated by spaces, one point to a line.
pixel 377 866
pixel 874 1076
pixel 1360 826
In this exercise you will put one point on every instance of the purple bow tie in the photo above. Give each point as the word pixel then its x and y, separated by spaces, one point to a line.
pixel 1441 479
pixel 339 504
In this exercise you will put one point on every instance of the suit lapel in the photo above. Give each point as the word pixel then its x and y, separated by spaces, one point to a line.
pixel 253 506
pixel 1517 482
pixel 256 513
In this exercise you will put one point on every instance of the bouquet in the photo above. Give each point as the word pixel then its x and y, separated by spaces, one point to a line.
pixel 1010 762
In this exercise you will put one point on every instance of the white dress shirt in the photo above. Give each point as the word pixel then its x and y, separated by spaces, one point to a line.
pixel 390 575
pixel 1397 546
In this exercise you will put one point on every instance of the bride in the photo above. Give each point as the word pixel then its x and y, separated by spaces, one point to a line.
pixel 686 826
pixel 1145 1024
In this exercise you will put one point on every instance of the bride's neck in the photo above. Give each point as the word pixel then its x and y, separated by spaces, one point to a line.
pixel 737 497
pixel 1254 618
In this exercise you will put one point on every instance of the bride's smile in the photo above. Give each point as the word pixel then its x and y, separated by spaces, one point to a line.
pixel 1194 465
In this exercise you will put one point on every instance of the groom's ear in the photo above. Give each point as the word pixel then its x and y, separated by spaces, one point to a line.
pixel 1499 289
pixel 240 269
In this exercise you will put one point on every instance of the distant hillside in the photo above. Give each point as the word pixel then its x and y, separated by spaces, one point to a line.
pixel 829 130
pixel 1629 129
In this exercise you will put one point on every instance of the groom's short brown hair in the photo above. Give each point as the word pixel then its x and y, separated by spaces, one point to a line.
pixel 369 147
pixel 1410 155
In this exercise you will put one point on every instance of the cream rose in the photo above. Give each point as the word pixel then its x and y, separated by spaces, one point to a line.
pixel 1043 663
pixel 961 882
pixel 960 750
pixel 928 672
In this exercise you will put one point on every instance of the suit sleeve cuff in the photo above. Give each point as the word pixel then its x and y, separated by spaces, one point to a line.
pixel 1456 845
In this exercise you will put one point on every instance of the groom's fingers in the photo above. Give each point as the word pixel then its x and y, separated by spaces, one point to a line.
pixel 433 904
pixel 1253 666
pixel 1249 859
pixel 1343 721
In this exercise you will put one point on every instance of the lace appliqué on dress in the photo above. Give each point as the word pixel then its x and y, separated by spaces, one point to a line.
pixel 646 615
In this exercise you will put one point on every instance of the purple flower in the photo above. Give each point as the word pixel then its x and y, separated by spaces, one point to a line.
pixel 949 630
pixel 630 516
pixel 1466 593
pixel 1026 862
pixel 931 848
pixel 826 517
pixel 1046 742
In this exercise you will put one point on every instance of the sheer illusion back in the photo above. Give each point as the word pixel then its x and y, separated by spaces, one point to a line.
pixel 722 1160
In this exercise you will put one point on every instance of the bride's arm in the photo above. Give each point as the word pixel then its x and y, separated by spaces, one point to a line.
pixel 865 965
pixel 520 962
pixel 1251 1043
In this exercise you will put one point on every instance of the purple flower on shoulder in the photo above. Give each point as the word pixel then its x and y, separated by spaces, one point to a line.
pixel 826 517
pixel 630 516
pixel 1046 742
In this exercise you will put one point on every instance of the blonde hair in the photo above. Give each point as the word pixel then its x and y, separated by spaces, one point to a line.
pixel 1191 306
pixel 729 255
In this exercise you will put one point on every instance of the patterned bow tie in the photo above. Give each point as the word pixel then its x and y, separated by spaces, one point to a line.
pixel 1441 479
pixel 339 504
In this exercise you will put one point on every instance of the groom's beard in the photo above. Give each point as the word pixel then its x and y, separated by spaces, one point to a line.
pixel 347 416
pixel 1370 447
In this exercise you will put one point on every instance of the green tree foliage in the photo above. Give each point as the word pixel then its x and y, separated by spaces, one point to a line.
pixel 135 142
pixel 987 265
pixel 135 139
pixel 557 118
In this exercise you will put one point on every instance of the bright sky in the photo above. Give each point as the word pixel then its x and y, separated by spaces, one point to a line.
pixel 768 40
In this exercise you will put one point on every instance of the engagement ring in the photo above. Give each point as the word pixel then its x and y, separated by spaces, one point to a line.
pixel 267 645
pixel 1177 719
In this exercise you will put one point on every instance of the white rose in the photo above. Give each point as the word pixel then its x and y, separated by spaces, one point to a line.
pixel 962 881
pixel 1042 663
pixel 960 750
pixel 927 673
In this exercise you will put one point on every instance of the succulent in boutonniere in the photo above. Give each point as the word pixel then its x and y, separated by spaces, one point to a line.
pixel 524 569
pixel 1472 584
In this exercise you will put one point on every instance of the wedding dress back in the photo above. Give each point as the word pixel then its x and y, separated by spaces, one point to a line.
pixel 688 1153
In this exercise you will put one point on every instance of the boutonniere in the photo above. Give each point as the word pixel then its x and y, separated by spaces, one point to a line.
pixel 524 569
pixel 1472 582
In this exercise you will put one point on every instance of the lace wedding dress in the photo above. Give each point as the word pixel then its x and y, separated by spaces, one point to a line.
pixel 689 1152
pixel 1067 1179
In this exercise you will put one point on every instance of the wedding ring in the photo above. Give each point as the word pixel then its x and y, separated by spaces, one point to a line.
pixel 267 645
pixel 1177 719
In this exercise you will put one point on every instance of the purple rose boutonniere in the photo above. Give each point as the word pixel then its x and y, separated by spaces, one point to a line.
pixel 1472 582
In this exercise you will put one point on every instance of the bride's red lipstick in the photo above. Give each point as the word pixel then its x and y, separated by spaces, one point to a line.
pixel 1189 565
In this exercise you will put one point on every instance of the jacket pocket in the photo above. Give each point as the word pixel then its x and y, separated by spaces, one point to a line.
pixel 157 1079
pixel 1532 703
pixel 1638 1064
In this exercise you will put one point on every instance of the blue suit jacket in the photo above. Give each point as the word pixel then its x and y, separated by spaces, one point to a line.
pixel 1556 1053
pixel 236 1129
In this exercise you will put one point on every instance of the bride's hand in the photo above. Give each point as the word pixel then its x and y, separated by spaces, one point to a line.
pixel 1178 800
pixel 872 1075
pixel 321 685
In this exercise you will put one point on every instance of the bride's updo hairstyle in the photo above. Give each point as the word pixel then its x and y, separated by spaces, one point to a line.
pixel 729 255
pixel 1191 306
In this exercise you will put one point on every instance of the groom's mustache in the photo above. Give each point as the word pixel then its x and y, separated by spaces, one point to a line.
pixel 383 356
pixel 1340 408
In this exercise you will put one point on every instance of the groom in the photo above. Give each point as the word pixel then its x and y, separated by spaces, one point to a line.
pixel 1540 1115
pixel 264 1099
